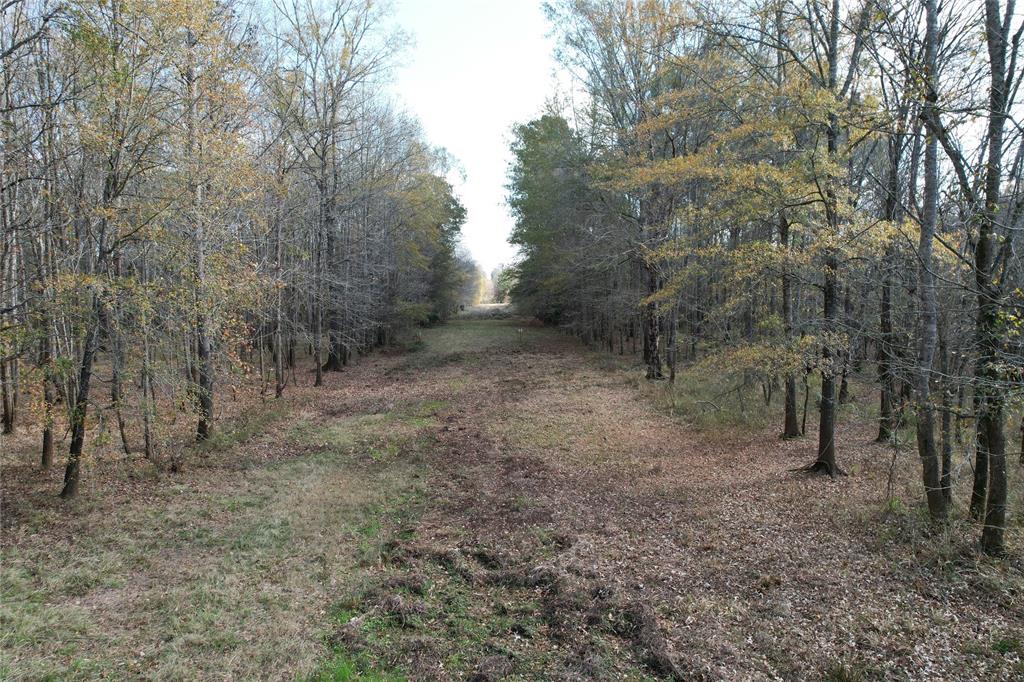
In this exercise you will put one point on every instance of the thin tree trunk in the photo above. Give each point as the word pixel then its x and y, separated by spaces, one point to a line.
pixel 979 484
pixel 116 360
pixel 652 329
pixel 318 347
pixel 204 352
pixel 115 395
pixel 844 385
pixel 947 423
pixel 148 403
pixel 279 350
pixel 6 399
pixel 807 399
pixel 72 472
pixel 46 269
pixel 886 417
pixel 45 365
pixel 790 428
pixel 1022 440
pixel 926 446
pixel 826 461
pixel 671 343
pixel 991 415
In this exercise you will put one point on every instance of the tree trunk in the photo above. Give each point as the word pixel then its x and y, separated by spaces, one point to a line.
pixel 652 329
pixel 318 346
pixel 204 351
pixel 807 399
pixel 831 359
pixel 790 428
pixel 844 384
pixel 992 422
pixel 279 349
pixel 928 332
pixel 670 353
pixel 6 399
pixel 887 388
pixel 947 424
pixel 72 472
pixel 826 461
pixel 148 402
pixel 204 362
pixel 979 485
pixel 1022 440
pixel 45 360
pixel 991 415
pixel 116 360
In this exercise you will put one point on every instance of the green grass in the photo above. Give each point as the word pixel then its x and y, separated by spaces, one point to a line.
pixel 848 672
pixel 1007 645
pixel 215 576
pixel 343 667
pixel 243 428
pixel 712 402
pixel 381 435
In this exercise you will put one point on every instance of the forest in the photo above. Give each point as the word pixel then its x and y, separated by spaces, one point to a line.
pixel 187 195
pixel 796 190
pixel 747 404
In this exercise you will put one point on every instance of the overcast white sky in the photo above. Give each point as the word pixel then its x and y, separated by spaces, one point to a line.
pixel 476 67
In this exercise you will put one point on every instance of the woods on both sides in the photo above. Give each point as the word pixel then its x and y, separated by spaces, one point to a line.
pixel 788 192
pixel 197 190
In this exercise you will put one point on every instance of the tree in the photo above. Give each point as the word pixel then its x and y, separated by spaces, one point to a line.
pixel 185 192
pixel 811 170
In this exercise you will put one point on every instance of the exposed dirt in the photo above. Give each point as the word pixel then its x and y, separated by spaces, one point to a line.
pixel 643 547
pixel 570 530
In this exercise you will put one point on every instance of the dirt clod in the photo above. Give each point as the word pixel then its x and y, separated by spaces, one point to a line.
pixel 491 669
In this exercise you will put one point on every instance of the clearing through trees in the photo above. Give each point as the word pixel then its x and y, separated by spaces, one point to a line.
pixel 499 502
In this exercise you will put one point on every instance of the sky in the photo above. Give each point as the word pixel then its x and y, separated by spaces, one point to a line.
pixel 475 68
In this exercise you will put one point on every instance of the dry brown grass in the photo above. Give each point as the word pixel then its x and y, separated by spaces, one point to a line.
pixel 562 468
pixel 502 504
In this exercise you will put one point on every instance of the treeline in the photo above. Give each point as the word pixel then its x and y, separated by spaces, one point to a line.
pixel 193 189
pixel 788 190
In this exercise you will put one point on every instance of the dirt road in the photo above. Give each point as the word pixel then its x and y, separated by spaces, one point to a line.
pixel 501 503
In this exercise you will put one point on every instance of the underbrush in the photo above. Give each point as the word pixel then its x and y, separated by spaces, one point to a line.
pixel 709 402
pixel 244 427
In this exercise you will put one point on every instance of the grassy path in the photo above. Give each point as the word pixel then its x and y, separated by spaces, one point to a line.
pixel 498 504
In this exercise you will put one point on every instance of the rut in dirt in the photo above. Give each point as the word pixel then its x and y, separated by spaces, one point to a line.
pixel 577 531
